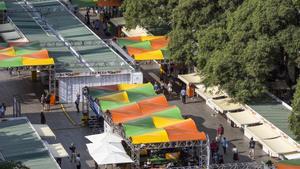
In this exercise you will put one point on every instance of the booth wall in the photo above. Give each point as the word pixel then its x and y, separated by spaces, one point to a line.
pixel 69 87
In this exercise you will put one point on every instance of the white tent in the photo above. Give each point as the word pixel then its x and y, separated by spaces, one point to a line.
pixel 224 105
pixel 108 153
pixel 245 117
pixel 43 130
pixel 104 137
pixel 194 78
pixel 278 146
pixel 57 150
pixel 138 31
pixel 261 132
pixel 209 92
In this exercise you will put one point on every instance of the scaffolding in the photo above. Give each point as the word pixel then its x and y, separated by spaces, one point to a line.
pixel 200 147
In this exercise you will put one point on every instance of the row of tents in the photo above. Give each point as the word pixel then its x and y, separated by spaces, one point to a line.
pixel 145 116
pixel 264 119
pixel 143 48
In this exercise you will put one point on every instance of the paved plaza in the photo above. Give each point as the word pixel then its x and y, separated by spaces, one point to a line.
pixel 67 132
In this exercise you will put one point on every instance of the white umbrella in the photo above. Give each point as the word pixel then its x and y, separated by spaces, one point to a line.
pixel 104 137
pixel 108 153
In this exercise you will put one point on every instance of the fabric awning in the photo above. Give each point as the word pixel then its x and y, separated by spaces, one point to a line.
pixel 43 130
pixel 245 117
pixel 280 145
pixel 292 156
pixel 192 78
pixel 262 132
pixel 10 35
pixel 288 164
pixel 57 150
pixel 108 153
pixel 138 31
pixel 104 137
pixel 209 92
pixel 225 105
pixel 7 27
pixel 119 21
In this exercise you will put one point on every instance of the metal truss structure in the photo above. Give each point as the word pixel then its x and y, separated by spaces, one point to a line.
pixel 241 165
pixel 201 147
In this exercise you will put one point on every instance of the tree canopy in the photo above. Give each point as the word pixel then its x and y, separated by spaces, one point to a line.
pixel 12 165
pixel 295 117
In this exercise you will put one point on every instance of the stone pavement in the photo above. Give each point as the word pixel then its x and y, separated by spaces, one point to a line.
pixel 66 132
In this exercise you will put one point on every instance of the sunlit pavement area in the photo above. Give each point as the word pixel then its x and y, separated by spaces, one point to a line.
pixel 70 131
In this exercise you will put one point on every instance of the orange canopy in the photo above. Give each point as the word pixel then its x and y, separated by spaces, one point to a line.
pixel 133 51
pixel 186 130
pixel 159 43
pixel 42 54
pixel 139 109
pixel 111 3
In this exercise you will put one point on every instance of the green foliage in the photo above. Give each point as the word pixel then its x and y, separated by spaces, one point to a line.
pixel 148 14
pixel 237 44
pixel 12 165
pixel 295 116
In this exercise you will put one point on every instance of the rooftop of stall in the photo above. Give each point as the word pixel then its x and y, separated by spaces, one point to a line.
pixel 20 142
pixel 99 56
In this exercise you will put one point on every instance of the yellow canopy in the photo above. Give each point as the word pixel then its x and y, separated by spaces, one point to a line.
pixel 8 51
pixel 37 62
pixel 145 38
pixel 161 122
pixel 130 86
pixel 152 55
pixel 118 97
pixel 159 136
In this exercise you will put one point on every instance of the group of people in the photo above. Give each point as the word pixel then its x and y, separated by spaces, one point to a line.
pixel 222 142
pixel 2 110
pixel 75 157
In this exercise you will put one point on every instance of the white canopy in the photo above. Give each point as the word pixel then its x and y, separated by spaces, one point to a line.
pixel 280 145
pixel 245 117
pixel 43 130
pixel 209 92
pixel 57 150
pixel 138 31
pixel 108 153
pixel 225 104
pixel 194 78
pixel 104 137
pixel 292 156
pixel 261 132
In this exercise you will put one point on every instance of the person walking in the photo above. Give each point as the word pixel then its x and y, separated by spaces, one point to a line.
pixel 224 144
pixel 1 111
pixel 77 101
pixel 43 118
pixel 170 88
pixel 73 152
pixel 220 131
pixel 78 163
pixel 183 95
pixel 252 148
pixel 156 87
pixel 235 154
pixel 43 101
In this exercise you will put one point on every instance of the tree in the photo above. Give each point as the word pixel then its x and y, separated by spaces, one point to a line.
pixel 12 165
pixel 294 119
pixel 245 52
pixel 148 14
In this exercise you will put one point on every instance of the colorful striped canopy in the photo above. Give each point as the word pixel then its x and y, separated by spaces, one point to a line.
pixel 288 164
pixel 146 47
pixel 145 116
pixel 18 57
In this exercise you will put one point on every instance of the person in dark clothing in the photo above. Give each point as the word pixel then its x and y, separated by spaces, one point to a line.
pixel 73 152
pixel 58 160
pixel 43 118
pixel 183 95
pixel 251 148
pixel 78 162
pixel 77 101
pixel 235 154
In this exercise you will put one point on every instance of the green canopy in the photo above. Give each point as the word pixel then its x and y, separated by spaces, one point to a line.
pixel 23 51
pixel 295 162
pixel 173 112
pixel 85 3
pixel 143 45
pixel 125 42
pixel 2 6
pixel 11 62
pixel 131 130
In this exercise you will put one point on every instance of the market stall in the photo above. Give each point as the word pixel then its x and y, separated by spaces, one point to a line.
pixel 279 146
pixel 209 92
pixel 43 130
pixel 146 122
pixel 243 118
pixel 224 105
pixel 261 132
